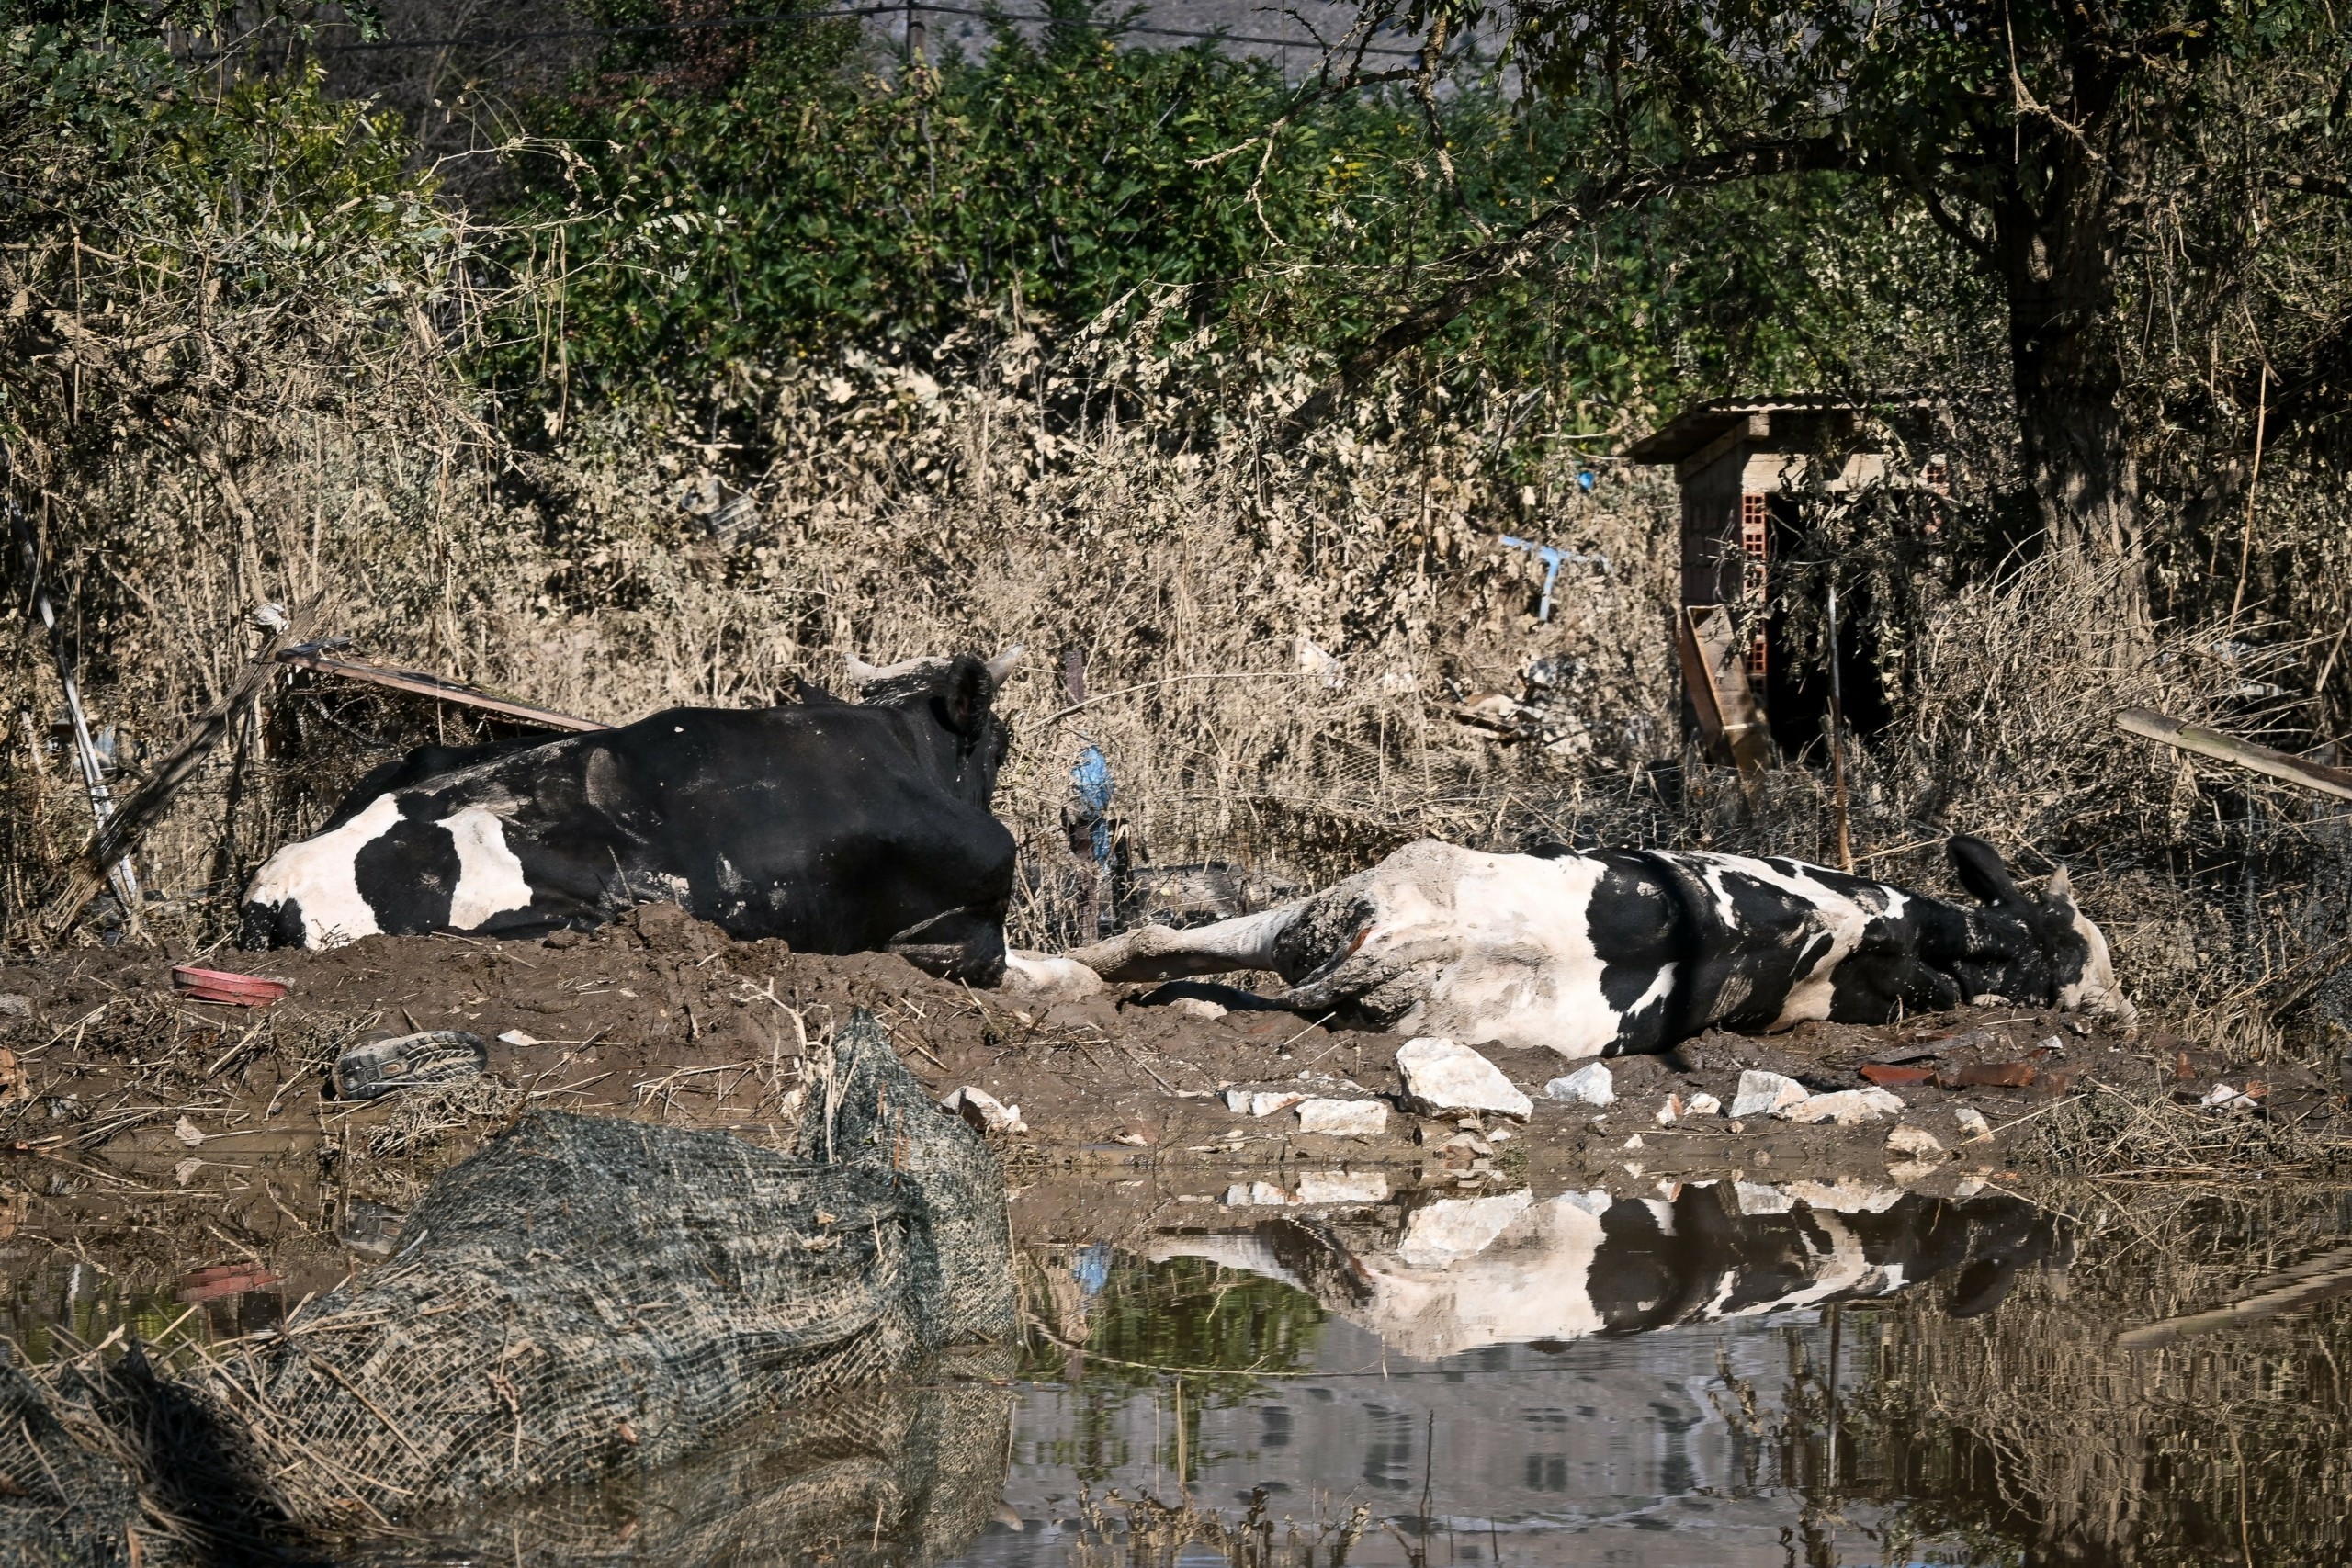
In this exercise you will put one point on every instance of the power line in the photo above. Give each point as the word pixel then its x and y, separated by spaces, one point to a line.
pixel 466 39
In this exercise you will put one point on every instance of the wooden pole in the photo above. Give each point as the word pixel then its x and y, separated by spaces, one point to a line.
pixel 86 751
pixel 1837 741
pixel 2229 748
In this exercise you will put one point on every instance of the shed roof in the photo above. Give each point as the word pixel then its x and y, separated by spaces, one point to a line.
pixel 1700 424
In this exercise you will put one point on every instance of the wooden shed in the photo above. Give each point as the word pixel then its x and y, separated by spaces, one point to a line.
pixel 1743 464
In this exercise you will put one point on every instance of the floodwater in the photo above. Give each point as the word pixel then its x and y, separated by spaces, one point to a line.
pixel 1705 1375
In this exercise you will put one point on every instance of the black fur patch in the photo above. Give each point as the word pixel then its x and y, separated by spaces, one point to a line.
pixel 408 874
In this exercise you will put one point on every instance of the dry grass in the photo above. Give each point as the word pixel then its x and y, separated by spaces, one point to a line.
pixel 2210 1449
pixel 1075 497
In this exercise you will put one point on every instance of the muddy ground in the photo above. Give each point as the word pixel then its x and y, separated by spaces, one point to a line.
pixel 160 1132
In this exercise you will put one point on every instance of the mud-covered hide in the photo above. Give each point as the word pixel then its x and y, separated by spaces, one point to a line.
pixel 588 1295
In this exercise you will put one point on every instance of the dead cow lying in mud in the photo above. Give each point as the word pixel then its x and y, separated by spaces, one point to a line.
pixel 838 827
pixel 1613 952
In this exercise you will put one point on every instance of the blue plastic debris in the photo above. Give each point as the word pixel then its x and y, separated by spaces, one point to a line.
pixel 1552 556
pixel 1092 1269
pixel 1089 785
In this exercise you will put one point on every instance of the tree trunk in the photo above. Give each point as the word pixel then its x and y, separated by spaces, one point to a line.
pixel 2055 244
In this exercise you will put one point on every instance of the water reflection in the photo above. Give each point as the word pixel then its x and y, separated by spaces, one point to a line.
pixel 1717 1374
pixel 1459 1273
pixel 898 1475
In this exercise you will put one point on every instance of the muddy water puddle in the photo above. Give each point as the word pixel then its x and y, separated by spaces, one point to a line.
pixel 1704 1374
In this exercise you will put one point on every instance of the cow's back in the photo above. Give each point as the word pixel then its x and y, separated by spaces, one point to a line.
pixel 831 826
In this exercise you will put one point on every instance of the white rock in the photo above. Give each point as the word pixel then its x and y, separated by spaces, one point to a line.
pixel 1670 1113
pixel 1633 1142
pixel 517 1038
pixel 1588 1085
pixel 1755 1198
pixel 1913 1143
pixel 1913 1154
pixel 1260 1101
pixel 185 1172
pixel 1442 1079
pixel 984 1112
pixel 1343 1118
pixel 1703 1105
pixel 1846 1108
pixel 186 1133
pixel 1762 1093
pixel 1196 1006
pixel 1968 1187
pixel 1342 1187
pixel 1972 1125
pixel 1437 1233
pixel 1046 978
pixel 1255 1195
pixel 12 1005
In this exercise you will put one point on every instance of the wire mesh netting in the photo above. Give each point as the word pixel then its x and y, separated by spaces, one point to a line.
pixel 586 1296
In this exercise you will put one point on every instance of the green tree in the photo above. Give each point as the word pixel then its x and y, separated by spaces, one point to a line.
pixel 2041 137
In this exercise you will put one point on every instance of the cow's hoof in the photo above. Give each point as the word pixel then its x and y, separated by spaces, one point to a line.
pixel 1048 979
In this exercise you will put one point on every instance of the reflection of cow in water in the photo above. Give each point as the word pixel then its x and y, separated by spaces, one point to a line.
pixel 1512 1269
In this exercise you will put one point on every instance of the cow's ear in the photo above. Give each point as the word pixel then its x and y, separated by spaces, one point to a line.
pixel 967 691
pixel 2061 889
pixel 1980 870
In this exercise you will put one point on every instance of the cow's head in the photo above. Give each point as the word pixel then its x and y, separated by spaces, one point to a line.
pixel 2044 951
pixel 958 693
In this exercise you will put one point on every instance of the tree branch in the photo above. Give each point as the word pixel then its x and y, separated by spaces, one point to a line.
pixel 1483 268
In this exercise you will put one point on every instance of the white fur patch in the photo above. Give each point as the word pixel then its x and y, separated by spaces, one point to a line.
pixel 490 877
pixel 2097 991
pixel 1519 965
pixel 319 874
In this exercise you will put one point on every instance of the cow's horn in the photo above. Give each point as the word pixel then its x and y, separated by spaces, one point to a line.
pixel 865 674
pixel 2061 885
pixel 1001 665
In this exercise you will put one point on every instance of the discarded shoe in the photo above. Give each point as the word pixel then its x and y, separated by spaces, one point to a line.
pixel 377 1068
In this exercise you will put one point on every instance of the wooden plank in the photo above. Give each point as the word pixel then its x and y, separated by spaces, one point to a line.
pixel 1716 677
pixel 430 686
pixel 2212 743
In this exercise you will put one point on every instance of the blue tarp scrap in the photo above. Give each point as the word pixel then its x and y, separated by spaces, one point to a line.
pixel 1090 786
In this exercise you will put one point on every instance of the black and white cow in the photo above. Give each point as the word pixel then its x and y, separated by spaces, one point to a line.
pixel 1612 952
pixel 1514 1268
pixel 839 826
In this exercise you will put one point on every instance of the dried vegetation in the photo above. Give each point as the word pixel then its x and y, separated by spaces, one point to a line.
pixel 219 408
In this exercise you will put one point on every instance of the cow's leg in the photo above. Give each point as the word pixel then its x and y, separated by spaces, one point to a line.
pixel 966 944
pixel 1157 953
pixel 1870 988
